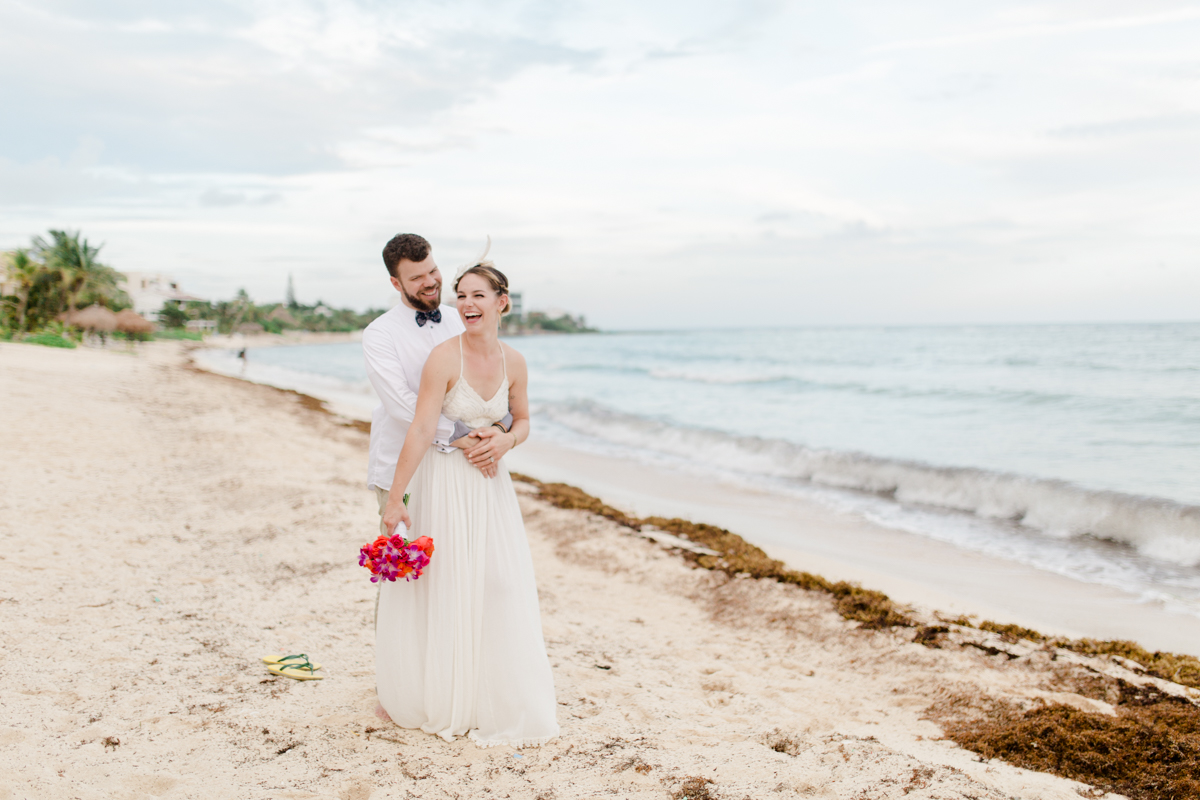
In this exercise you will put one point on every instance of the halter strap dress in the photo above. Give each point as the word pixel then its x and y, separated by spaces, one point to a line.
pixel 464 403
pixel 460 651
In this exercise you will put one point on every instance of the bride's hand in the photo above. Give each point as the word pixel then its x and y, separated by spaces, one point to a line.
pixel 395 513
pixel 491 448
pixel 479 455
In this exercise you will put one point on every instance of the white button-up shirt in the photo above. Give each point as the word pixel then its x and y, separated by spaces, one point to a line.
pixel 396 349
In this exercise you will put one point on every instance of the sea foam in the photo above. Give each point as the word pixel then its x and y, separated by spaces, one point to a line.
pixel 1161 529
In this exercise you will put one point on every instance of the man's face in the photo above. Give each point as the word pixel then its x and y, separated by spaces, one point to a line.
pixel 419 283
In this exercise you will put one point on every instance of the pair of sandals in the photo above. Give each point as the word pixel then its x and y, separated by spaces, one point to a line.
pixel 296 667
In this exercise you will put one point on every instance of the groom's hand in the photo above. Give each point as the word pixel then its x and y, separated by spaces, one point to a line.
pixel 493 444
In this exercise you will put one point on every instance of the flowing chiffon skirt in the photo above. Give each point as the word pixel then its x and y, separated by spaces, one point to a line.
pixel 460 650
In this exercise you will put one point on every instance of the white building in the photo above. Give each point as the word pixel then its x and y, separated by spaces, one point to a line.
pixel 149 290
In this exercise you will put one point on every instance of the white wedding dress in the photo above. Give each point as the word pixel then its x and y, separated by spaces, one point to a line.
pixel 460 650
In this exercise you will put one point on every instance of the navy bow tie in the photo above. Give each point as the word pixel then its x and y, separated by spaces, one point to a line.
pixel 430 316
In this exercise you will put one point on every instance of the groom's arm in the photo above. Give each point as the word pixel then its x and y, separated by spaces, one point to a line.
pixel 387 377
pixel 457 439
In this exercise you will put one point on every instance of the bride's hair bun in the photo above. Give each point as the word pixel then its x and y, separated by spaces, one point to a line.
pixel 495 278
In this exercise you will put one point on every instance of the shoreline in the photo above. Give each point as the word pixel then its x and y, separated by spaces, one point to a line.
pixel 841 546
pixel 805 535
pixel 215 521
pixel 226 341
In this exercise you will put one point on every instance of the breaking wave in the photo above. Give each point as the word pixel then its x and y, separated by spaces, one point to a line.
pixel 1160 529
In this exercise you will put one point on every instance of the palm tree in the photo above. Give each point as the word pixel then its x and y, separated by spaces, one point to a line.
pixel 74 261
pixel 24 271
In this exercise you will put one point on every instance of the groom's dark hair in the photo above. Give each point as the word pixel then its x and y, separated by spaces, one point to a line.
pixel 404 245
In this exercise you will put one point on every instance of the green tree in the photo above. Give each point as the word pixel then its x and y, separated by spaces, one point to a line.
pixel 24 271
pixel 81 275
pixel 171 315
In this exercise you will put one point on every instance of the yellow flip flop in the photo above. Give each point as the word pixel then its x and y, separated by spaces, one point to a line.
pixel 284 661
pixel 297 672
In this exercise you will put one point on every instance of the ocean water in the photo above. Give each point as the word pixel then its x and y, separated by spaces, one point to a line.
pixel 1072 448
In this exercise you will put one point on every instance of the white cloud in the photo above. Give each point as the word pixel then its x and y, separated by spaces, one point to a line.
pixel 931 162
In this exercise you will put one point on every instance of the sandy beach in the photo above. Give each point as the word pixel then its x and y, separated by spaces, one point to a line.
pixel 162 528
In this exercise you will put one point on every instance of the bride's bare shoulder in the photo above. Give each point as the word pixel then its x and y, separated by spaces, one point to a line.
pixel 444 354
pixel 513 356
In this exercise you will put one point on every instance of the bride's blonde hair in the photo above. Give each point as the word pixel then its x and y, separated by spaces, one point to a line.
pixel 495 278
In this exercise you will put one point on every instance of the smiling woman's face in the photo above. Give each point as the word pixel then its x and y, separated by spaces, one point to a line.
pixel 478 303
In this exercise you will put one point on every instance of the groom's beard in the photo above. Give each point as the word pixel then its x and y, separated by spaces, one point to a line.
pixel 423 305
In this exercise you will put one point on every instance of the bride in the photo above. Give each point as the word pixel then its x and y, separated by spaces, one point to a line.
pixel 460 651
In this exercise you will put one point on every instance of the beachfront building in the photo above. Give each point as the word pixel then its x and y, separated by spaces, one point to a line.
pixel 204 327
pixel 149 290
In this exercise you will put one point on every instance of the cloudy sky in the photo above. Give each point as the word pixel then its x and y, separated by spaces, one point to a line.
pixel 649 164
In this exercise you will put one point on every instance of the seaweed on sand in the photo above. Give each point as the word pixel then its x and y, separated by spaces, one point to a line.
pixel 1011 632
pixel 1174 667
pixel 1181 669
pixel 1149 751
pixel 735 556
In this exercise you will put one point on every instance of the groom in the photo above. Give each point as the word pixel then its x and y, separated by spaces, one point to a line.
pixel 396 346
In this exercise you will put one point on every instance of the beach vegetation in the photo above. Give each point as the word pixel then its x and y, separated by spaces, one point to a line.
pixel 172 316
pixel 178 334
pixel 48 339
pixel 23 271
pixel 82 280
pixel 242 314
pixel 48 281
pixel 541 322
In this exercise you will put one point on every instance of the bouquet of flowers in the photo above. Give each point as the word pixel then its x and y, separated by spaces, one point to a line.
pixel 392 557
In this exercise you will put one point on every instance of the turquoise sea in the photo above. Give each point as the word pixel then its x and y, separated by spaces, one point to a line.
pixel 1072 448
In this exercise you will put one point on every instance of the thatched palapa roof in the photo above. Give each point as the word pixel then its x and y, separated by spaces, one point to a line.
pixel 94 318
pixel 282 315
pixel 130 321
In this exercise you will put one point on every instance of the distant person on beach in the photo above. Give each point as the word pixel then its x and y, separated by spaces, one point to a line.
pixel 242 357
pixel 459 651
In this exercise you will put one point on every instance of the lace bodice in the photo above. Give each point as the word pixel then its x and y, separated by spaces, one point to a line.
pixel 464 403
